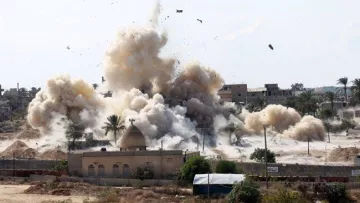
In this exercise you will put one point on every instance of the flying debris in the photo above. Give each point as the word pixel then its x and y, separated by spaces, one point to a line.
pixel 199 20
pixel 98 64
pixel 178 61
pixel 68 47
pixel 215 38
pixel 179 11
pixel 271 47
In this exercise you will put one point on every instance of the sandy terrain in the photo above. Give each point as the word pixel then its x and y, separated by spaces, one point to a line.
pixel 14 194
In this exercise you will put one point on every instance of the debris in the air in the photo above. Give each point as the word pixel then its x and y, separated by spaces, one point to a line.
pixel 179 11
pixel 215 38
pixel 68 47
pixel 271 47
pixel 199 20
pixel 178 61
pixel 98 64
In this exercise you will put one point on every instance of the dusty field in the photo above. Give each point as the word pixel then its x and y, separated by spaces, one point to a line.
pixel 15 194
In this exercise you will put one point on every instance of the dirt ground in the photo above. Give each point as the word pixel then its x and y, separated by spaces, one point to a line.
pixel 15 194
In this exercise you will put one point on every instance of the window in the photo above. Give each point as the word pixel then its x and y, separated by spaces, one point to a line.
pixel 116 170
pixel 91 170
pixel 101 170
pixel 239 94
pixel 126 171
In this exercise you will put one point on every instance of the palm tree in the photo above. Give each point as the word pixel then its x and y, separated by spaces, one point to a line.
pixel 331 97
pixel 356 88
pixel 307 103
pixel 114 124
pixel 343 81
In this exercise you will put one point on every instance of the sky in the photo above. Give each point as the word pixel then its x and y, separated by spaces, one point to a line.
pixel 315 42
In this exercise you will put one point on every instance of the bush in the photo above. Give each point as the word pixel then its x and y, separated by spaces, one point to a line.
pixel 194 165
pixel 61 166
pixel 143 173
pixel 224 166
pixel 246 192
pixel 259 155
pixel 283 196
pixel 336 193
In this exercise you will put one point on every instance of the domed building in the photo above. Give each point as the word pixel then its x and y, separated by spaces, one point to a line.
pixel 131 156
pixel 132 140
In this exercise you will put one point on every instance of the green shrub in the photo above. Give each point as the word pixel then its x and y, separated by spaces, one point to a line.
pixel 259 155
pixel 143 173
pixel 246 192
pixel 61 166
pixel 336 193
pixel 224 166
pixel 284 195
pixel 194 165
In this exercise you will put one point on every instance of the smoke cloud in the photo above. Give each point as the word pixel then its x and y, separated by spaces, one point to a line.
pixel 167 104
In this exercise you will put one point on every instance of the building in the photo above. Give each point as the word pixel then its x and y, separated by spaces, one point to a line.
pixel 123 163
pixel 241 94
pixel 5 111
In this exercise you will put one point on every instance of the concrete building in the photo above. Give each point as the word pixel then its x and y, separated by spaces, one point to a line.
pixel 241 94
pixel 123 163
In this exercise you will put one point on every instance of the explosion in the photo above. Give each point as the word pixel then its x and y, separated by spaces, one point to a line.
pixel 165 105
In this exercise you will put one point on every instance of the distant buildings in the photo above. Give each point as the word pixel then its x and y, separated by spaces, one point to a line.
pixel 242 95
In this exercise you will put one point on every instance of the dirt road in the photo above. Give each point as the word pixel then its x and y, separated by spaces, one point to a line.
pixel 14 194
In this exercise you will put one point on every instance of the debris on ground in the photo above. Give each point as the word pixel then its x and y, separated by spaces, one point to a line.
pixel 53 154
pixel 343 154
pixel 19 149
pixel 271 47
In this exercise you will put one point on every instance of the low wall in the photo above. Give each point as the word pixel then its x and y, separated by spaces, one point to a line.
pixel 28 164
pixel 118 181
pixel 34 177
pixel 299 170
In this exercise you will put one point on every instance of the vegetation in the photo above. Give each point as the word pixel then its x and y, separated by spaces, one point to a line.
pixel 283 195
pixel 61 166
pixel 114 124
pixel 224 166
pixel 246 192
pixel 328 128
pixel 259 155
pixel 343 81
pixel 335 193
pixel 73 132
pixel 330 96
pixel 356 90
pixel 143 173
pixel 194 165
pixel 297 87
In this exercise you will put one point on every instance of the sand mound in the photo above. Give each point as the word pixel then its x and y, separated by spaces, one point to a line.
pixel 29 134
pixel 343 154
pixel 19 149
pixel 53 154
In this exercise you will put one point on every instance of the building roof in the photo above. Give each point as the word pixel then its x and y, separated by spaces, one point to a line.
pixel 218 179
pixel 132 138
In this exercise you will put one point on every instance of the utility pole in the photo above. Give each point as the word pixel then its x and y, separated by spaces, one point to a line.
pixel 266 168
pixel 308 145
pixel 208 186
pixel 13 164
pixel 203 134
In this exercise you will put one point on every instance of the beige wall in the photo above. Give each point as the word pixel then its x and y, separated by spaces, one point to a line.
pixel 161 165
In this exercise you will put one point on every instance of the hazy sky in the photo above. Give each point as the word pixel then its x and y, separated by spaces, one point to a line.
pixel 315 42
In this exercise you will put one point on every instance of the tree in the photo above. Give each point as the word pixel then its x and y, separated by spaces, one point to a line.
pixel 356 89
pixel 246 192
pixel 194 165
pixel 95 86
pixel 73 132
pixel 328 128
pixel 284 195
pixel 330 96
pixel 297 87
pixel 114 124
pixel 325 114
pixel 343 81
pixel 224 166
pixel 307 103
pixel 259 155
pixel 33 91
